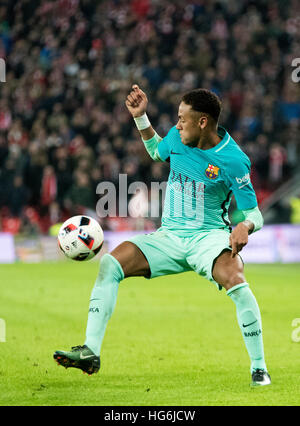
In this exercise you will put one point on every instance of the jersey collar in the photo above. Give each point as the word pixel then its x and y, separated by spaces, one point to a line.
pixel 222 133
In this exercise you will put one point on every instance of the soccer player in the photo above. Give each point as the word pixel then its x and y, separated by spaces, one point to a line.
pixel 206 168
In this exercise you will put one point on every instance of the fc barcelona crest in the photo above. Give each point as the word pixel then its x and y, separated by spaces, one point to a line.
pixel 212 172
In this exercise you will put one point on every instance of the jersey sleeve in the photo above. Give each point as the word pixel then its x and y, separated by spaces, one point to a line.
pixel 166 144
pixel 240 184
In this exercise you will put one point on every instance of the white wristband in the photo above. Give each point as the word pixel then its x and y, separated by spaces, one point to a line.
pixel 142 122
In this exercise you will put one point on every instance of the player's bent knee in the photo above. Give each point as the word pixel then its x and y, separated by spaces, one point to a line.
pixel 228 271
pixel 233 280
pixel 110 266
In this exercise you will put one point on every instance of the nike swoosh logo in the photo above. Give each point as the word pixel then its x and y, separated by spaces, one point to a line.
pixel 94 299
pixel 247 325
pixel 86 356
pixel 176 153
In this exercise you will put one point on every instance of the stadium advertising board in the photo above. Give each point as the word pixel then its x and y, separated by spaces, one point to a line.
pixel 273 243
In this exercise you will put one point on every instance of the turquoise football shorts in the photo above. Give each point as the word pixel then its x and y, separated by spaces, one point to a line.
pixel 168 253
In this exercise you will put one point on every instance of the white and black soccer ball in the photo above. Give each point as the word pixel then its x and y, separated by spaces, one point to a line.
pixel 80 238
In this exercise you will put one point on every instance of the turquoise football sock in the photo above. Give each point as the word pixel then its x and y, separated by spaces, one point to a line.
pixel 103 301
pixel 249 320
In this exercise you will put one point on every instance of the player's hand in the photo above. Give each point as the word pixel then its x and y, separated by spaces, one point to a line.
pixel 238 238
pixel 136 101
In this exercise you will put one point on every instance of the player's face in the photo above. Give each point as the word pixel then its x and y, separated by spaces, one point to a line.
pixel 189 125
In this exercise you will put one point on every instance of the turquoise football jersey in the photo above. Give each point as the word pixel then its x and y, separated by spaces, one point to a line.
pixel 201 183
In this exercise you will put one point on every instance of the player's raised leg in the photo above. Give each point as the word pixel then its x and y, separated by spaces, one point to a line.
pixel 124 261
pixel 228 271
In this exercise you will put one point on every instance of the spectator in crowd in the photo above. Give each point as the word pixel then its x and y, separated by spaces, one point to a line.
pixel 18 196
pixel 80 194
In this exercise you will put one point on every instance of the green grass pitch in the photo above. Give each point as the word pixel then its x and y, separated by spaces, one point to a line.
pixel 171 341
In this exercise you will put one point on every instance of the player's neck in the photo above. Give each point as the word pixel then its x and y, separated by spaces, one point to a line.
pixel 209 140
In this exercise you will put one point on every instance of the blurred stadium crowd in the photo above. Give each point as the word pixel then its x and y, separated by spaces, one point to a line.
pixel 64 126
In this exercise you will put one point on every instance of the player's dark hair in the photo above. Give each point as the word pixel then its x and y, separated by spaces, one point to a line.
pixel 204 100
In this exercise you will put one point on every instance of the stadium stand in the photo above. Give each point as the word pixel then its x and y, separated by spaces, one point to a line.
pixel 64 126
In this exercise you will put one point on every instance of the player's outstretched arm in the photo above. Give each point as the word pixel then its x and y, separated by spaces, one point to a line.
pixel 136 104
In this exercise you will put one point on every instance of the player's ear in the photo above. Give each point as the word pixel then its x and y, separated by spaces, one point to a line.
pixel 203 120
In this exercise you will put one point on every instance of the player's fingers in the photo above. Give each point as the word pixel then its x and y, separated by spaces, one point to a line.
pixel 132 100
pixel 139 91
pixel 137 98
pixel 234 250
pixel 136 91
pixel 136 95
pixel 143 95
